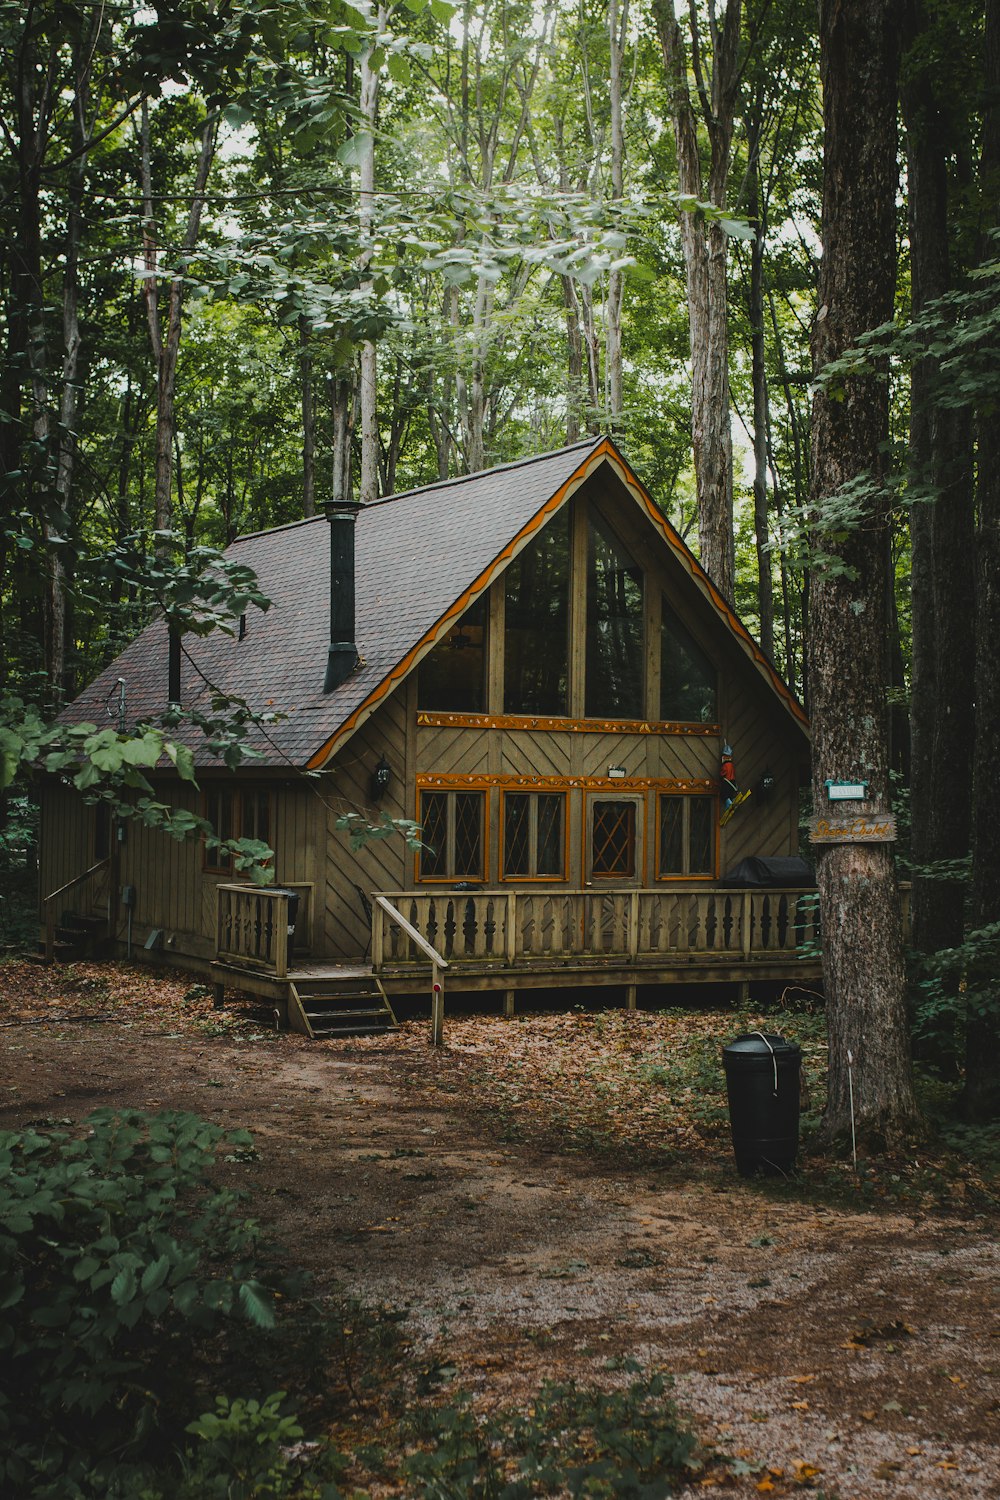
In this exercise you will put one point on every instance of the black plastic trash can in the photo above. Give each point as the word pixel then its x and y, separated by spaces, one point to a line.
pixel 762 1081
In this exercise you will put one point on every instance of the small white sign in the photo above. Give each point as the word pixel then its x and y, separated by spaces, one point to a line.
pixel 617 773
pixel 846 791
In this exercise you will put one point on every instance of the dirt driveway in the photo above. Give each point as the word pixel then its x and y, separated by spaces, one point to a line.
pixel 856 1354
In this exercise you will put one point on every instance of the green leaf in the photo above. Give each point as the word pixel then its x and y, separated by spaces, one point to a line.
pixel 257 1305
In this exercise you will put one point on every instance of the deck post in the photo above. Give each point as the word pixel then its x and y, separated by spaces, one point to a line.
pixel 437 1007
pixel 630 990
pixel 508 1002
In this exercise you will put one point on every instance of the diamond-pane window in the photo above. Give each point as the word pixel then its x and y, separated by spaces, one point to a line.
pixel 613 838
pixel 533 845
pixel 434 834
pixel 452 827
pixel 468 834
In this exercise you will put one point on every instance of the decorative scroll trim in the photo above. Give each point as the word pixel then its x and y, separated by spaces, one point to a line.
pixel 476 781
pixel 429 720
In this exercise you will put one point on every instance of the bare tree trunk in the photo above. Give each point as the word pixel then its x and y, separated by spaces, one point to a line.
pixel 308 421
pixel 369 356
pixel 863 972
pixel 342 403
pixel 166 343
pixel 616 282
pixel 765 586
pixel 705 264
pixel 982 1074
pixel 942 540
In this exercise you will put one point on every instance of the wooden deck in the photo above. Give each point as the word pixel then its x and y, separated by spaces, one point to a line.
pixel 503 940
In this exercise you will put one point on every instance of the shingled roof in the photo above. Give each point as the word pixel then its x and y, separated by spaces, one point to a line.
pixel 421 558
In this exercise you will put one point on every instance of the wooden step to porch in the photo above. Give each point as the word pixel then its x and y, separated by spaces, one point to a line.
pixel 76 936
pixel 352 1003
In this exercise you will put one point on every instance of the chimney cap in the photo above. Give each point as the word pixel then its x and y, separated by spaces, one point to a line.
pixel 336 509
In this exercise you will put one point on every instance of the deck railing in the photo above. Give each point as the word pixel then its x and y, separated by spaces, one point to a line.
pixel 251 928
pixel 501 929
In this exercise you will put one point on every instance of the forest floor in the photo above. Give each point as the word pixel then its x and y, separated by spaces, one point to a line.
pixel 554 1196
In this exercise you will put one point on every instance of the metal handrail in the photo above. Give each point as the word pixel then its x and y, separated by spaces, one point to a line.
pixel 438 964
pixel 47 907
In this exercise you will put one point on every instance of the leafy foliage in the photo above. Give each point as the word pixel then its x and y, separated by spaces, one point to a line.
pixel 117 1257
pixel 575 1440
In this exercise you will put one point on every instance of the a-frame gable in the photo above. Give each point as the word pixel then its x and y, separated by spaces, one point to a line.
pixel 603 454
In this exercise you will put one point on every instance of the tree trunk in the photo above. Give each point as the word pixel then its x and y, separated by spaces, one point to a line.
pixel 982 1073
pixel 308 421
pixel 166 342
pixel 616 281
pixel 863 971
pixel 941 538
pixel 369 357
pixel 765 587
pixel 705 265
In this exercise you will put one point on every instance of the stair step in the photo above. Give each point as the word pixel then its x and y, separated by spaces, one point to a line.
pixel 334 1029
pixel 337 1015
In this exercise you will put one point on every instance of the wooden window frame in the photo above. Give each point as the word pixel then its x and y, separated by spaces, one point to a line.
pixel 514 791
pixel 451 792
pixel 639 801
pixel 236 795
pixel 687 798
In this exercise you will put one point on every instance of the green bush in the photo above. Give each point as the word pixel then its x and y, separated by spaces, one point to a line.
pixel 575 1440
pixel 118 1261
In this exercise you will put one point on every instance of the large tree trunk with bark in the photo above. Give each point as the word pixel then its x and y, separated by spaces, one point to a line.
pixel 863 970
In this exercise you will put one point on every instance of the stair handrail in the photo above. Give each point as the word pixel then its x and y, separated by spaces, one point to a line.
pixel 47 907
pixel 438 966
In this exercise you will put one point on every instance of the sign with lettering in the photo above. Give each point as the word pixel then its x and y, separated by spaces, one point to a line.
pixel 864 828
pixel 847 791
pixel 617 773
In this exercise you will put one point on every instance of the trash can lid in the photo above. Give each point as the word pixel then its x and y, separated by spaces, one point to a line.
pixel 756 1044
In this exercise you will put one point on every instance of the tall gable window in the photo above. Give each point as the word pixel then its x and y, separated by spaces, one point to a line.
pixel 452 677
pixel 536 611
pixel 615 656
pixel 687 677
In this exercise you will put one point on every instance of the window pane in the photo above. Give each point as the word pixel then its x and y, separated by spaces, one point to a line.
pixel 219 812
pixel 550 845
pixel 536 649
pixel 614 629
pixel 702 837
pixel 452 678
pixel 434 833
pixel 256 819
pixel 687 677
pixel 613 848
pixel 672 835
pixel 516 834
pixel 468 834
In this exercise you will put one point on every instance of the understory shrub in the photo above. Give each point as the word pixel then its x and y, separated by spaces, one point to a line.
pixel 574 1440
pixel 120 1261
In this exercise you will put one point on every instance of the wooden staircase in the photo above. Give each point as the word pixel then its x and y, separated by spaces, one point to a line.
pixel 340 1002
pixel 77 936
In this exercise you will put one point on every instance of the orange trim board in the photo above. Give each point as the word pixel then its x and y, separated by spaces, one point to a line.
pixel 476 588
pixel 426 719
pixel 604 450
pixel 473 781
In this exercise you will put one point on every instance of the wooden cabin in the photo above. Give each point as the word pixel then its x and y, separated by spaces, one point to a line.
pixel 529 663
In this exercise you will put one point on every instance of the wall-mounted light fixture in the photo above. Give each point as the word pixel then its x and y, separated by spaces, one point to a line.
pixel 765 786
pixel 381 776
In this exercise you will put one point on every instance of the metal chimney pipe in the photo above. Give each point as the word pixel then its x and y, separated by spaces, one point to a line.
pixel 343 655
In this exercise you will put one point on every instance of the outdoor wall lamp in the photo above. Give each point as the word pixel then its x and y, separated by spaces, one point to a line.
pixel 381 777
